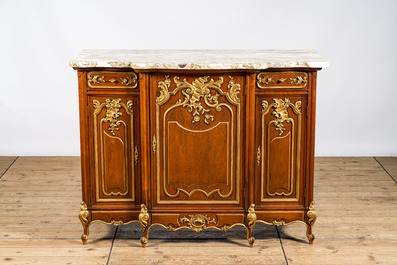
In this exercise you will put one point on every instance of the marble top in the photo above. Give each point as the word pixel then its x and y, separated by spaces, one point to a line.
pixel 199 59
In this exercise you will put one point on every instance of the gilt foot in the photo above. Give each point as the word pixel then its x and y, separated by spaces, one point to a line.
pixel 144 241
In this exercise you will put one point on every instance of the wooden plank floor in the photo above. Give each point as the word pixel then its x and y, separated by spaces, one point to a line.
pixel 356 203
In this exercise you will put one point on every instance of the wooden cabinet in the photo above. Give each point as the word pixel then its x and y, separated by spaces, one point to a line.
pixel 197 149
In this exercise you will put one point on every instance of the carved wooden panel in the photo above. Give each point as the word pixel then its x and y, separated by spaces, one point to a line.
pixel 197 139
pixel 290 79
pixel 279 148
pixel 115 151
pixel 111 79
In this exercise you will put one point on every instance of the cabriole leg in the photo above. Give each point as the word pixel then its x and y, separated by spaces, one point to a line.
pixel 143 221
pixel 83 216
pixel 251 220
pixel 311 219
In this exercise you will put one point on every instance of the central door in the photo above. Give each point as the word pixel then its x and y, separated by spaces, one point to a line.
pixel 197 139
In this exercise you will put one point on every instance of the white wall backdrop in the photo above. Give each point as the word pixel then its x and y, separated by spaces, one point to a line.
pixel 356 112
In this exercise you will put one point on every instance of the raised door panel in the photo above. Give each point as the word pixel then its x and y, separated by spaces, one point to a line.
pixel 280 137
pixel 197 139
pixel 115 147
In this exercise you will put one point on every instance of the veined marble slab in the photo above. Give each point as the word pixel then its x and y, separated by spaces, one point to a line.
pixel 199 59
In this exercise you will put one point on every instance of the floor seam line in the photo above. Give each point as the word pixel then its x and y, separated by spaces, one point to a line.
pixel 9 167
pixel 111 247
pixel 385 170
pixel 281 244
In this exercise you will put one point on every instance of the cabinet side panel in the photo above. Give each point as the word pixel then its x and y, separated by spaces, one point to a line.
pixel 311 123
pixel 84 146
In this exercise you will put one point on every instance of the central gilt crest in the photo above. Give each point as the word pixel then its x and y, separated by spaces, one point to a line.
pixel 201 89
pixel 197 222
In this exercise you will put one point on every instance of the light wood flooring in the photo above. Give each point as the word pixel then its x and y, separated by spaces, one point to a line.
pixel 356 204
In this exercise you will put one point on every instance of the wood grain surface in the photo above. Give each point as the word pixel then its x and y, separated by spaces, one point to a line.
pixel 356 203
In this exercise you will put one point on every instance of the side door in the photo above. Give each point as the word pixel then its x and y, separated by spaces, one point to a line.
pixel 113 109
pixel 281 107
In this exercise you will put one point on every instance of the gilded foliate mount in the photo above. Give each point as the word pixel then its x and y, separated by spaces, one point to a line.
pixel 106 79
pixel 281 111
pixel 311 219
pixel 251 216
pixel 143 219
pixel 271 80
pixel 251 220
pixel 196 92
pixel 128 80
pixel 197 222
pixel 113 111
pixel 96 79
pixel 299 80
pixel 83 216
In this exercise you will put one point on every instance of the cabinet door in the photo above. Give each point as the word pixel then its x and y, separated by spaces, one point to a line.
pixel 197 139
pixel 115 150
pixel 280 134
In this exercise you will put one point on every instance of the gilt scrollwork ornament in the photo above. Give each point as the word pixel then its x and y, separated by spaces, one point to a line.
pixel 143 216
pixel 116 223
pixel 154 144
pixel 251 220
pixel 197 91
pixel 197 222
pixel 136 154
pixel 112 111
pixel 281 80
pixel 264 80
pixel 96 79
pixel 234 90
pixel 311 219
pixel 113 114
pixel 298 80
pixel 128 80
pixel 107 79
pixel 200 88
pixel 143 219
pixel 164 93
pixel 258 156
pixel 311 214
pixel 251 216
pixel 281 112
pixel 129 107
pixel 83 216
pixel 278 223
